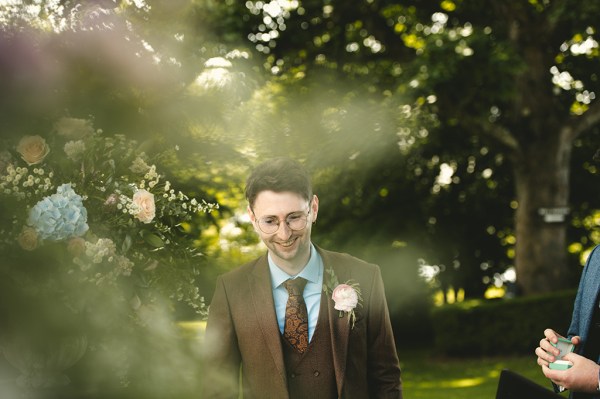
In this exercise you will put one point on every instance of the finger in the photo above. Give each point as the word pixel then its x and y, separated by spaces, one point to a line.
pixel 543 356
pixel 551 335
pixel 549 373
pixel 547 355
pixel 571 357
pixel 541 362
pixel 548 347
pixel 576 340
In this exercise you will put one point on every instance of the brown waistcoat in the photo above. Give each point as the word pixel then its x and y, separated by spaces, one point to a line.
pixel 311 375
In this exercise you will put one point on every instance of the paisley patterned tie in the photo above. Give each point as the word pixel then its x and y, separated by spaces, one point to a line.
pixel 295 330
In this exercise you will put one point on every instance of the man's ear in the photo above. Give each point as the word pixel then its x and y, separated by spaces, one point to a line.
pixel 314 208
pixel 251 214
pixel 252 219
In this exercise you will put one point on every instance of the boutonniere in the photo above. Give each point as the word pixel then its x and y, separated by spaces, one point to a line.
pixel 346 296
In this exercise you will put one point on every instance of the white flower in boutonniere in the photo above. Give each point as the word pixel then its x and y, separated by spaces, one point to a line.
pixel 346 296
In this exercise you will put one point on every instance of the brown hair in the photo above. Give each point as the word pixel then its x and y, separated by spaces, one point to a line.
pixel 279 175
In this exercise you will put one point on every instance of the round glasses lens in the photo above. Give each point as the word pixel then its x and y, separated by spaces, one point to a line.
pixel 268 225
pixel 297 222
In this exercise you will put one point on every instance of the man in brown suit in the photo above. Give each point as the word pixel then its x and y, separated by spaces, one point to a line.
pixel 283 322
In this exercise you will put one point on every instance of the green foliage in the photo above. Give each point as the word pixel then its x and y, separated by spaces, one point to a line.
pixel 500 327
pixel 378 97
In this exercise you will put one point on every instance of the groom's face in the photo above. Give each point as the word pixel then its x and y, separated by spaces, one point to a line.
pixel 285 245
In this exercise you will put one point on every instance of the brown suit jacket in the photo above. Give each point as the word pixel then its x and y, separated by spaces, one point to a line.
pixel 242 330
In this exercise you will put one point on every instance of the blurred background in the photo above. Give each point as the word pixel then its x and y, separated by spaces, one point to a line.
pixel 450 142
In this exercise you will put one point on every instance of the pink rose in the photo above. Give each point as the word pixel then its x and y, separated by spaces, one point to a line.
pixel 144 206
pixel 28 239
pixel 345 298
pixel 33 149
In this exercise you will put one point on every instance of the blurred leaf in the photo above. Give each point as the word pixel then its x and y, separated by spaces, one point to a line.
pixel 152 239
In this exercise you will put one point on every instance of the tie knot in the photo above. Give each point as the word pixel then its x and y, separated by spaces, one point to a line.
pixel 295 286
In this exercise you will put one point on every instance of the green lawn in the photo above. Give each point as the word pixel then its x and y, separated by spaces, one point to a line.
pixel 426 376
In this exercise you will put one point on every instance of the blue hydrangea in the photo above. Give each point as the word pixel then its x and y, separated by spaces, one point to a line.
pixel 59 216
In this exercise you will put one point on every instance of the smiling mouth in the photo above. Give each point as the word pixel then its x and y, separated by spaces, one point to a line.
pixel 288 243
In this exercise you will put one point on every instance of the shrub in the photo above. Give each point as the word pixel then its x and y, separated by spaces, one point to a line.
pixel 501 326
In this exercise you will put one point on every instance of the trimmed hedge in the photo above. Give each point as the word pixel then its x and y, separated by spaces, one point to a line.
pixel 500 326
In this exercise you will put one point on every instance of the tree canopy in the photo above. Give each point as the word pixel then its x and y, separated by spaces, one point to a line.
pixel 474 109
pixel 437 132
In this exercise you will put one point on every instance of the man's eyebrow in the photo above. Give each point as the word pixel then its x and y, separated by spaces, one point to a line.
pixel 289 214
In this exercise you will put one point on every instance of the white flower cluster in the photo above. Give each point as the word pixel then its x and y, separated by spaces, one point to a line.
pixel 103 251
pixel 191 205
pixel 151 178
pixel 75 150
pixel 103 248
pixel 139 165
pixel 20 183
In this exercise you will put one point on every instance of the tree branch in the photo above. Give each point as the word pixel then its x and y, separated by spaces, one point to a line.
pixel 582 123
pixel 497 132
pixel 502 135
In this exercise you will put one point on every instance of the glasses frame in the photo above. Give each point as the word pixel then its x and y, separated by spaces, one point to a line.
pixel 279 221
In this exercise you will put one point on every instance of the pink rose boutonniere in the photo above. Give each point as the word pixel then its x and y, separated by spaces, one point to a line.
pixel 346 296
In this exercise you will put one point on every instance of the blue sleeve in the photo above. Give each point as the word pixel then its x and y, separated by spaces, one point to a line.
pixel 576 319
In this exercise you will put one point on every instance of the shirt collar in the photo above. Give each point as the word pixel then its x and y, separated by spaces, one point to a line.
pixel 310 271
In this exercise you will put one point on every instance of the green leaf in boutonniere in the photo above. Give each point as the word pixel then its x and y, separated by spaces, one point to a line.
pixel 330 281
pixel 346 296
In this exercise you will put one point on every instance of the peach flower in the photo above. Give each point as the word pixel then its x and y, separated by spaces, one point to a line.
pixel 33 149
pixel 28 239
pixel 76 246
pixel 145 209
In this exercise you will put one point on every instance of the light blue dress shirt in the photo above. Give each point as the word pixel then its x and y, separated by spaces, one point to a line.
pixel 313 273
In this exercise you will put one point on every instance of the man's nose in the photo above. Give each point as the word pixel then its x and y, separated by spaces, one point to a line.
pixel 284 232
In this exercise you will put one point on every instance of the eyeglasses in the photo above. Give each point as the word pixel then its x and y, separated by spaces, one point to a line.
pixel 295 221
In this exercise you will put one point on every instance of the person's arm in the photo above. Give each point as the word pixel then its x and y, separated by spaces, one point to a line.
pixel 221 353
pixel 383 365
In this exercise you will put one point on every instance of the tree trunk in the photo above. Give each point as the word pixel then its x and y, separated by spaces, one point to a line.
pixel 542 182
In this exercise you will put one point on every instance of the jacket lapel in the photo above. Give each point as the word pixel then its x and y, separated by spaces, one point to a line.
pixel 264 306
pixel 339 328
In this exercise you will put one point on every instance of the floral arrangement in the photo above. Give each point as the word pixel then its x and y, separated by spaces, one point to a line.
pixel 83 211
pixel 346 297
